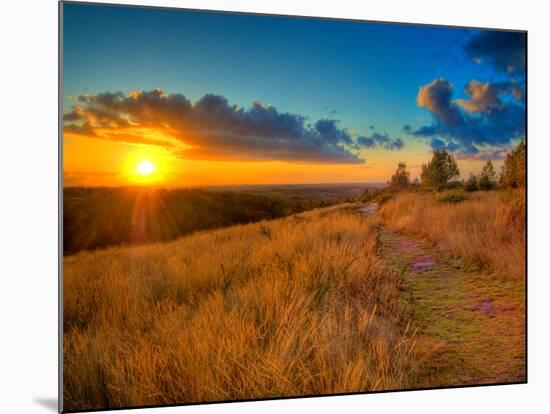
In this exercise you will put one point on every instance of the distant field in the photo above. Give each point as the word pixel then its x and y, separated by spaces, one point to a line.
pixel 296 306
pixel 100 217
pixel 327 192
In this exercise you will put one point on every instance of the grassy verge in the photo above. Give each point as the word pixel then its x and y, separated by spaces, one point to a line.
pixel 487 229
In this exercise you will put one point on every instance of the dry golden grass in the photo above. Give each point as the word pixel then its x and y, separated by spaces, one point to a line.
pixel 488 228
pixel 296 306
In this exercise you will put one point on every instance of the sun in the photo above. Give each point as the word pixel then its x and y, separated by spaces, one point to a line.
pixel 145 167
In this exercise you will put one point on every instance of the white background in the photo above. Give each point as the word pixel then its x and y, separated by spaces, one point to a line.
pixel 28 204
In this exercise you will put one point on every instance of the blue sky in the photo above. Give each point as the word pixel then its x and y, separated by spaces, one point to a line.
pixel 357 73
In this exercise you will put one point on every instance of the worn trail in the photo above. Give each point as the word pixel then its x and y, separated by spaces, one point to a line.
pixel 469 325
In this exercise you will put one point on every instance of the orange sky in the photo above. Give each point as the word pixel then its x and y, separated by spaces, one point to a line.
pixel 100 162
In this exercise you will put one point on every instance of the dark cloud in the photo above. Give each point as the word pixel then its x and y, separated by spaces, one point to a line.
pixel 505 51
pixel 210 128
pixel 483 119
pixel 377 140
pixel 436 98
pixel 407 129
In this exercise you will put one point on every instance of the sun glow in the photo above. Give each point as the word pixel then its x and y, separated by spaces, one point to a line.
pixel 145 168
pixel 147 165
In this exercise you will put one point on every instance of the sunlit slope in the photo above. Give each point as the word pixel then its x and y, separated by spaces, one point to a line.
pixel 295 306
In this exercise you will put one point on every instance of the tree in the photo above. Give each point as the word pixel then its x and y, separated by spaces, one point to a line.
pixel 400 180
pixel 513 170
pixel 488 177
pixel 440 170
pixel 471 183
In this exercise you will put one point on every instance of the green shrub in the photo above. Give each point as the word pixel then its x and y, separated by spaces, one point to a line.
pixel 451 185
pixel 471 183
pixel 452 196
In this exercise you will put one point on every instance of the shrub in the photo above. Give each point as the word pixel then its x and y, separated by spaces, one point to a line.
pixel 471 183
pixel 452 196
pixel 451 185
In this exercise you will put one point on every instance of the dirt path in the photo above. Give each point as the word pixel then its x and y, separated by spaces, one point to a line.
pixel 468 326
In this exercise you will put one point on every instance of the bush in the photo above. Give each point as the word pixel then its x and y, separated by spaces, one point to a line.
pixel 471 183
pixel 452 196
pixel 451 185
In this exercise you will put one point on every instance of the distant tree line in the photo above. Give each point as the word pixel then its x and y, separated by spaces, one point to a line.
pixel 442 172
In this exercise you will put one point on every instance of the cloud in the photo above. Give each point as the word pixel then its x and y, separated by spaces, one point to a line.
pixel 437 144
pixel 483 119
pixel 436 98
pixel 505 51
pixel 377 140
pixel 484 97
pixel 211 128
pixel 489 153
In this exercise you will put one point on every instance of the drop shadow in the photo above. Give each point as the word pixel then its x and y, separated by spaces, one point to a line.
pixel 49 403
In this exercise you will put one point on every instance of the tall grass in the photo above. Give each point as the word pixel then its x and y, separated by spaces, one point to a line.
pixel 295 306
pixel 488 227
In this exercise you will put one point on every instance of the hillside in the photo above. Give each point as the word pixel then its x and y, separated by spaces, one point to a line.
pixel 339 299
pixel 296 306
pixel 100 217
